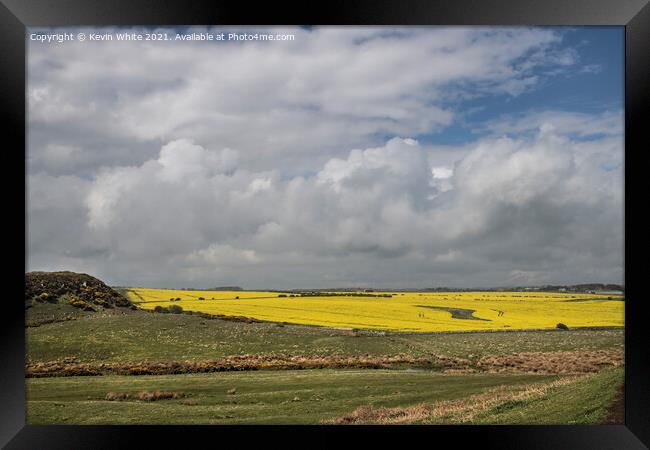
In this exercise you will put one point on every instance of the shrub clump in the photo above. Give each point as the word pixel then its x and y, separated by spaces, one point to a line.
pixel 46 297
pixel 159 395
pixel 144 396
pixel 173 309
pixel 561 326
pixel 103 303
pixel 139 370
pixel 78 303
pixel 113 396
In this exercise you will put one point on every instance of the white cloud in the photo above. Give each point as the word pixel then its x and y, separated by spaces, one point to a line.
pixel 101 202
pixel 509 203
pixel 292 103
pixel 442 172
pixel 222 255
pixel 609 123
pixel 182 161
pixel 308 163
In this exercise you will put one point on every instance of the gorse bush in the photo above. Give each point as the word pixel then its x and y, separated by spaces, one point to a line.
pixel 46 297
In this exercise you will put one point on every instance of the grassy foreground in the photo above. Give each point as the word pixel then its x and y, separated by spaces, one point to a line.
pixel 585 402
pixel 277 397
pixel 569 400
pixel 407 393
pixel 317 396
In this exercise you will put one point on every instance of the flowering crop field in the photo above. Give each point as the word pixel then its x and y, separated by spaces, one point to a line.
pixel 401 311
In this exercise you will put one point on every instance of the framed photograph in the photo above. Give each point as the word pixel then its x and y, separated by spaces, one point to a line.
pixel 325 220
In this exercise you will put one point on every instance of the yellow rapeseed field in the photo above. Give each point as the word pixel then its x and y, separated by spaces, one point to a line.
pixel 402 311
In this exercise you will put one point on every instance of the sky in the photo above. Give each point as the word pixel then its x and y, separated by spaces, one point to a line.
pixel 387 157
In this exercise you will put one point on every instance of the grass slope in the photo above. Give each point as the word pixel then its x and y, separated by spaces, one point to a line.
pixel 138 336
pixel 585 402
pixel 286 397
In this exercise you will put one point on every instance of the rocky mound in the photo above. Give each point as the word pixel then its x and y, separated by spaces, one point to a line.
pixel 77 289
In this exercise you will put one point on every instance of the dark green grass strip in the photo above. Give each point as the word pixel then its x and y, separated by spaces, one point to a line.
pixel 288 397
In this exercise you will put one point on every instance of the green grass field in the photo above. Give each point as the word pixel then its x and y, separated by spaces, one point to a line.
pixel 124 336
pixel 308 396
pixel 585 402
pixel 139 336
pixel 262 397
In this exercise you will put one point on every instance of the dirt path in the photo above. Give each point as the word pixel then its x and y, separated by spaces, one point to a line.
pixel 616 411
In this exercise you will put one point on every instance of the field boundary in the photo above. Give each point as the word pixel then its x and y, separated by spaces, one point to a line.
pixel 540 363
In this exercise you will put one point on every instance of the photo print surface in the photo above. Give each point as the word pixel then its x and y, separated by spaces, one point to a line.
pixel 325 225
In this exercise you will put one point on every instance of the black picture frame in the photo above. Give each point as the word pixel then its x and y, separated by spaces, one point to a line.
pixel 15 15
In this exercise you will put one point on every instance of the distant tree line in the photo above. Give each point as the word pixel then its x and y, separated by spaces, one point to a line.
pixel 339 294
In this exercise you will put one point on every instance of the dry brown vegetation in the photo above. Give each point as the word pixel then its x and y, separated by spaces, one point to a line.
pixel 552 362
pixel 455 411
pixel 67 367
pixel 531 363
pixel 145 396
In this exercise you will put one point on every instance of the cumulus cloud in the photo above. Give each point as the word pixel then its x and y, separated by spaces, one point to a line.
pixel 507 205
pixel 302 164
pixel 294 103
pixel 581 125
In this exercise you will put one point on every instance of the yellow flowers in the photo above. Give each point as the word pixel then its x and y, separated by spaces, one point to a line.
pixel 402 311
